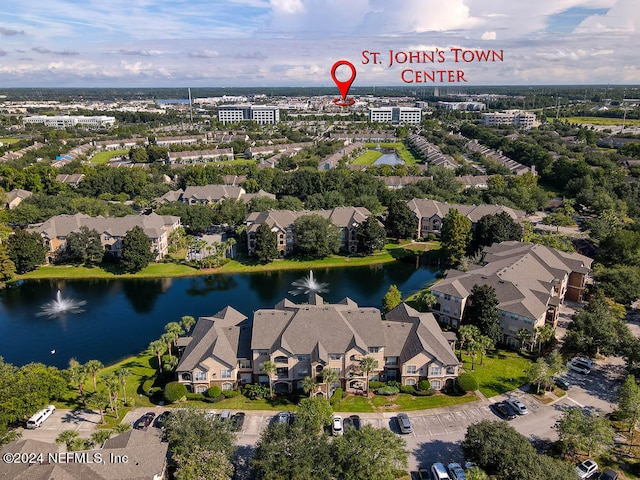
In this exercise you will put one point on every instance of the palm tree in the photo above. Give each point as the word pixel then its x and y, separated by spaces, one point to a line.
pixel 93 367
pixel 112 383
pixel 122 427
pixel 67 437
pixel 329 376
pixel 309 385
pixel 122 374
pixel 98 400
pixel 543 335
pixel 466 333
pixel 187 322
pixel 426 300
pixel 484 344
pixel 167 338
pixel 99 437
pixel 473 347
pixel 78 376
pixel 270 369
pixel 524 337
pixel 156 347
pixel 174 329
pixel 368 365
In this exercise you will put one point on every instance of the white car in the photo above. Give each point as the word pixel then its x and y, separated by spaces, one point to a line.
pixel 578 367
pixel 336 426
pixel 518 406
pixel 587 361
pixel 586 469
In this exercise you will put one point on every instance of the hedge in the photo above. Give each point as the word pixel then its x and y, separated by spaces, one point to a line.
pixel 195 396
pixel 374 384
pixel 336 397
pixel 174 391
pixel 386 391
pixel 467 382
pixel 410 389
pixel 424 385
pixel 214 391
pixel 230 393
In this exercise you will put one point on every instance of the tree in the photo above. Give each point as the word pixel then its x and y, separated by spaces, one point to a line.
pixel 589 432
pixel 266 244
pixel 309 385
pixel 539 373
pixel 136 250
pixel 391 299
pixel 269 368
pixel 455 236
pixel 467 333
pixel 316 236
pixel 201 464
pixel 497 228
pixel 167 338
pixel 84 246
pixel 314 413
pixel 100 436
pixel 329 377
pixel 186 429
pixel 629 403
pixel 67 437
pixel 156 348
pixel 400 221
pixel 484 344
pixel 122 374
pixel 7 267
pixel 26 250
pixel 481 310
pixel 370 235
pixel 187 322
pixel 476 473
pixel 372 453
pixel 524 337
pixel 93 367
pixel 543 335
pixel 368 365
pixel 112 383
pixel 78 376
pixel 426 300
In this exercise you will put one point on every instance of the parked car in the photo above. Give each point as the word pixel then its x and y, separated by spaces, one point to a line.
pixel 438 472
pixel 225 415
pixel 455 471
pixel 518 406
pixel 144 421
pixel 562 383
pixel 423 474
pixel 404 424
pixel 161 419
pixel 608 474
pixel 578 367
pixel 237 421
pixel 283 417
pixel 336 426
pixel 355 421
pixel 587 361
pixel 504 410
pixel 586 469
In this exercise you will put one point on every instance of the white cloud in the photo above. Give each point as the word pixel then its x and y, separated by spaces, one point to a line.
pixel 489 36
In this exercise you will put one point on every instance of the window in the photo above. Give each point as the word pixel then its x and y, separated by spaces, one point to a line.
pixel 227 386
pixel 303 372
pixel 262 353
pixel 302 358
pixel 374 349
pixel 225 373
pixel 201 388
pixel 391 361
pixel 436 384
pixel 335 356
pixel 451 370
pixel 410 381
pixel 337 370
pixel 281 359
pixel 244 363
pixel 435 370
pixel 199 376
pixel 447 296
pixel 391 374
pixel 411 369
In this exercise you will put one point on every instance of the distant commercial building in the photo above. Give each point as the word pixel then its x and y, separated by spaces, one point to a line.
pixel 518 118
pixel 262 114
pixel 64 121
pixel 464 106
pixel 395 115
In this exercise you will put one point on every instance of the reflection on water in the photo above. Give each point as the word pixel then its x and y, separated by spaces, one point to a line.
pixel 121 317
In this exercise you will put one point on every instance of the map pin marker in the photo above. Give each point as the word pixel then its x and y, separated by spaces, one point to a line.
pixel 343 87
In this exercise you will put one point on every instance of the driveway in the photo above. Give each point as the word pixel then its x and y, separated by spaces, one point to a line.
pixel 85 422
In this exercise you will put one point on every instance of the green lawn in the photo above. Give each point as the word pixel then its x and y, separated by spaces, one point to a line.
pixel 103 157
pixel 400 147
pixel 367 158
pixel 154 270
pixel 602 121
pixel 9 140
pixel 402 401
pixel 502 371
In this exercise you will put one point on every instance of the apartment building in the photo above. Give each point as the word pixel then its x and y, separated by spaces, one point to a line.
pixel 395 115
pixel 518 118
pixel 262 114
pixel 64 121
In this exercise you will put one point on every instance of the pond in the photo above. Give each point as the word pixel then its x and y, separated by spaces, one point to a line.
pixel 121 317
pixel 389 157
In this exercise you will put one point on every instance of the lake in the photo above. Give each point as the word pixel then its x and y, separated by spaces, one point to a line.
pixel 121 317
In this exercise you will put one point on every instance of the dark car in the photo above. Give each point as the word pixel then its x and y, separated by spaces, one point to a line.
pixel 423 474
pixel 404 424
pixel 237 421
pixel 504 410
pixel 355 421
pixel 161 419
pixel 346 424
pixel 144 421
pixel 562 383
pixel 608 474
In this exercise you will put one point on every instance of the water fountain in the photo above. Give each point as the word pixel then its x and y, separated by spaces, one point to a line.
pixel 308 285
pixel 61 306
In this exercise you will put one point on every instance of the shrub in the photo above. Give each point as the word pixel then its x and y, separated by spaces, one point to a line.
pixel 217 399
pixel 255 391
pixel 146 386
pixel 195 396
pixel 394 384
pixel 410 389
pixel 230 393
pixel 174 392
pixel 467 382
pixel 214 391
pixel 424 385
pixel 374 384
pixel 425 393
pixel 386 391
pixel 336 397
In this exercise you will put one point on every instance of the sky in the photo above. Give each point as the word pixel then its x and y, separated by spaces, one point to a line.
pixel 264 43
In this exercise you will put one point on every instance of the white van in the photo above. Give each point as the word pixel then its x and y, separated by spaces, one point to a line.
pixel 38 418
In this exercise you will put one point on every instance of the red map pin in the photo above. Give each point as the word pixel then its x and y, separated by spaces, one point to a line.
pixel 343 87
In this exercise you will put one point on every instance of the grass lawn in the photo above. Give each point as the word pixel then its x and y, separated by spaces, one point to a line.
pixel 402 401
pixel 367 158
pixel 502 371
pixel 400 147
pixel 101 158
pixel 154 270
pixel 9 140
pixel 602 121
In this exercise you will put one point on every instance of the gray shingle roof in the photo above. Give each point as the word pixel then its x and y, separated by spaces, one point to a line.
pixel 426 208
pixel 282 219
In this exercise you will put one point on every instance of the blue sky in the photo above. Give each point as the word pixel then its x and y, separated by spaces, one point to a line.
pixel 154 43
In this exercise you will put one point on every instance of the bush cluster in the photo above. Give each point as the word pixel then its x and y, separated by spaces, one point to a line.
pixel 424 385
pixel 374 385
pixel 386 391
pixel 336 397
pixel 214 391
pixel 174 392
pixel 230 393
pixel 410 389
pixel 467 382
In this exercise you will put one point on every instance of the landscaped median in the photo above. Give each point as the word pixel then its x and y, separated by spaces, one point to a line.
pixel 391 253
